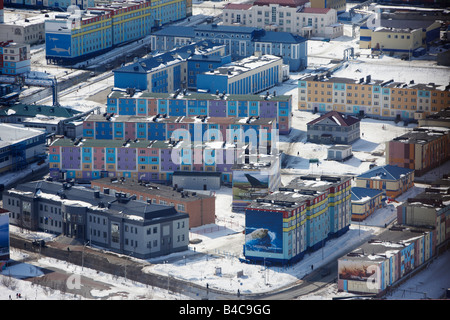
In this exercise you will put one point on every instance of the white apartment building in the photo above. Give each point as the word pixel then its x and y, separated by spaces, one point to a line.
pixel 299 18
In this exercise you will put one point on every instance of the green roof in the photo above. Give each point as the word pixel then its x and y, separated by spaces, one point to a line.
pixel 30 110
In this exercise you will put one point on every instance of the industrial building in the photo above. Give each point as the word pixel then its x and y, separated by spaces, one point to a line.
pixel 333 128
pixel 421 149
pixel 250 75
pixel 73 37
pixel 392 180
pixel 400 33
pixel 118 223
pixel 298 16
pixel 375 98
pixel 385 260
pixel 299 218
pixel 20 146
pixel 200 207
pixel 55 120
pixel 241 42
pixel 266 106
pixel 173 70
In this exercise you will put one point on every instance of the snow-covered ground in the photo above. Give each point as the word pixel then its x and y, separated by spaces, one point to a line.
pixel 221 243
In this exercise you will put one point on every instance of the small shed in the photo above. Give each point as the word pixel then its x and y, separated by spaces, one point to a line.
pixel 196 180
pixel 339 152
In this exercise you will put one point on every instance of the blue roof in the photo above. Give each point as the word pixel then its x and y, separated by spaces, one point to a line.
pixel 359 193
pixel 387 172
pixel 232 29
pixel 187 32
pixel 147 65
pixel 275 36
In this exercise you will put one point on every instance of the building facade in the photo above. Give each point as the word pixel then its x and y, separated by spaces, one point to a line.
pixel 430 208
pixel 14 58
pixel 374 98
pixel 241 42
pixel 333 128
pixel 146 160
pixel 200 207
pixel 296 219
pixel 392 180
pixel 421 149
pixel 73 37
pixel 119 224
pixel 266 106
pixel 382 262
pixel 20 146
pixel 292 16
pixel 173 70
pixel 365 202
pixel 163 128
pixel 247 76
pixel 395 34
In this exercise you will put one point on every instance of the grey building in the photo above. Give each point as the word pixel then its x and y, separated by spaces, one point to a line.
pixel 339 152
pixel 120 224
pixel 333 128
pixel 196 180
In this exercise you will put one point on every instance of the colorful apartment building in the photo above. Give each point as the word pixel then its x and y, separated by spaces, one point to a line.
pixel 15 58
pixel 430 208
pixel 364 202
pixel 391 180
pixel 146 160
pixel 160 127
pixel 285 16
pixel 241 42
pixel 60 4
pixel 172 70
pixel 200 207
pixel 373 98
pixel 421 149
pixel 299 218
pixel 72 37
pixel 265 106
pixel 385 260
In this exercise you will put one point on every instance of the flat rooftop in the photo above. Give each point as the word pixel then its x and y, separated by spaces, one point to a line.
pixel 237 68
pixel 182 119
pixel 15 133
pixel 150 189
pixel 122 94
pixel 127 208
pixel 385 244
pixel 422 135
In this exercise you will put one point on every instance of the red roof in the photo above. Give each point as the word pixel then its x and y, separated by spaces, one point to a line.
pixel 316 10
pixel 238 6
pixel 283 3
pixel 340 118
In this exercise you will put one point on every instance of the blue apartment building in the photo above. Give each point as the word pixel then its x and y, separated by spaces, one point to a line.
pixel 173 70
pixel 241 42
pixel 71 37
